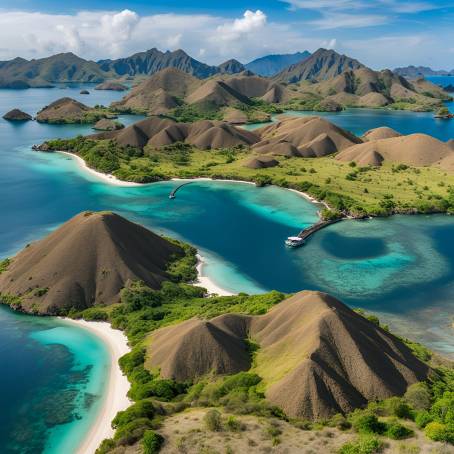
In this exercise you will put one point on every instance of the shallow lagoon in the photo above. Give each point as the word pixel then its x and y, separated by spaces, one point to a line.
pixel 402 267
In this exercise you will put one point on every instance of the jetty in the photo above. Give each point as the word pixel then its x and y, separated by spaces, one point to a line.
pixel 306 233
pixel 172 195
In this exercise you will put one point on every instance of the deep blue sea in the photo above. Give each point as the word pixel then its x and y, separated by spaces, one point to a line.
pixel 401 268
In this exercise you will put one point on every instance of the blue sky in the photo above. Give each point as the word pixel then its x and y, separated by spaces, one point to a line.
pixel 380 33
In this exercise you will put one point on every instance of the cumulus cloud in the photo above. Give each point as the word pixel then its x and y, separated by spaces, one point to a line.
pixel 99 35
pixel 212 39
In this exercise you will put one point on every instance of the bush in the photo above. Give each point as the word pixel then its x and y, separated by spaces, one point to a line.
pixel 340 421
pixel 367 423
pixel 233 424
pixel 152 442
pixel 440 432
pixel 143 409
pixel 395 406
pixel 363 445
pixel 418 396
pixel 397 431
pixel 422 419
pixel 212 420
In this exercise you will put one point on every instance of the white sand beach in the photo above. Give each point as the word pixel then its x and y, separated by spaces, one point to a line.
pixel 110 179
pixel 116 398
pixel 206 282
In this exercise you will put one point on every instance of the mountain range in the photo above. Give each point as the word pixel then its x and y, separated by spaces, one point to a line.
pixel 270 65
pixel 413 72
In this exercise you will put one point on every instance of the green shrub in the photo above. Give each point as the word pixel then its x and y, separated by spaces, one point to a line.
pixel 143 409
pixel 4 264
pixel 340 421
pixel 440 432
pixel 418 396
pixel 397 431
pixel 233 424
pixel 151 442
pixel 363 445
pixel 367 423
pixel 212 420
pixel 395 406
pixel 423 418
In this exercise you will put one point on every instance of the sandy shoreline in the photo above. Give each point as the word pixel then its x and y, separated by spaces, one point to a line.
pixel 110 179
pixel 115 398
pixel 206 282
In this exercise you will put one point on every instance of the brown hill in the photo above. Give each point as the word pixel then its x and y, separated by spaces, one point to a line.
pixel 156 132
pixel 311 136
pixel 316 356
pixel 107 125
pixel 111 85
pixel 414 150
pixel 175 353
pixel 86 261
pixel 160 93
pixel 17 115
pixel 64 109
pixel 261 162
pixel 321 65
pixel 214 94
pixel 380 133
pixel 364 87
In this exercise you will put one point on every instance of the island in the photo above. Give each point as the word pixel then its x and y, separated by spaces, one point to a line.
pixel 379 174
pixel 242 370
pixel 17 115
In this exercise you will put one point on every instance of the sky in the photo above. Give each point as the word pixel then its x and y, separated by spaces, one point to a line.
pixel 379 33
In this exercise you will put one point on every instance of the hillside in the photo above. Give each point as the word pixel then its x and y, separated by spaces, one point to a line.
pixel 156 132
pixel 68 110
pixel 364 87
pixel 86 261
pixel 44 72
pixel 413 150
pixel 270 65
pixel 321 65
pixel 231 66
pixel 303 136
pixel 315 355
pixel 159 93
pixel 153 61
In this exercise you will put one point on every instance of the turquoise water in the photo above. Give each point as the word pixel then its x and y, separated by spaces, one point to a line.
pixel 441 80
pixel 52 383
pixel 358 121
pixel 401 268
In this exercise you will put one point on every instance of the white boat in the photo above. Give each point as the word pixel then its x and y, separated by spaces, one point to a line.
pixel 294 241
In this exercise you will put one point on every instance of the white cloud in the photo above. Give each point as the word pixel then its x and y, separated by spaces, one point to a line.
pixel 97 35
pixel 249 23
pixel 342 20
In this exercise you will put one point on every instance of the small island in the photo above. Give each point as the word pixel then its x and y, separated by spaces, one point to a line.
pixel 68 111
pixel 110 85
pixel 17 115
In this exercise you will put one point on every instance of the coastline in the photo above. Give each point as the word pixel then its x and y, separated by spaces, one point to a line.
pixel 109 179
pixel 205 282
pixel 115 398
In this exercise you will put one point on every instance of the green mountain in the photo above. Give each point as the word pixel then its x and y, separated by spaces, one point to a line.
pixel 44 72
pixel 270 65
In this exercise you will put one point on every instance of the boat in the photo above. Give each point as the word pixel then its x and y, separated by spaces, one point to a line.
pixel 171 196
pixel 294 241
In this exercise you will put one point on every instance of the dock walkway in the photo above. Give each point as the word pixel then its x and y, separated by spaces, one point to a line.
pixel 306 233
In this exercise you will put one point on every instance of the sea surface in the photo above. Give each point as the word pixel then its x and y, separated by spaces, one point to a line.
pixel 402 267
pixel 52 382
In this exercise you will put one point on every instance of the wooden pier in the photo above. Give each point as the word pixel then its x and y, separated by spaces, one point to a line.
pixel 172 194
pixel 306 233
